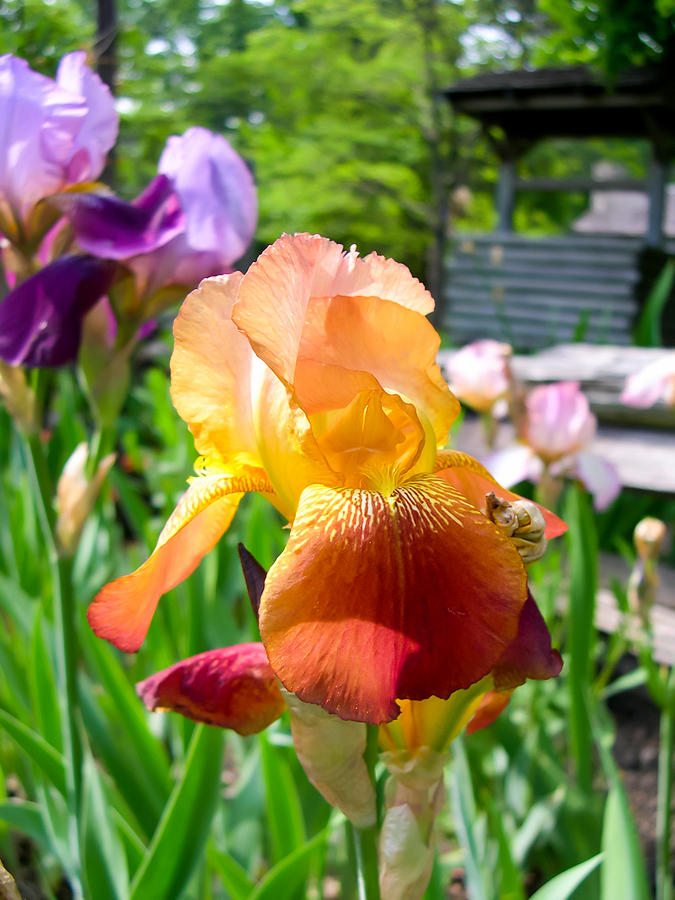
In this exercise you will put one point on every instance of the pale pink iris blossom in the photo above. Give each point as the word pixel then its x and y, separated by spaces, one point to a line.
pixel 652 383
pixel 479 377
pixel 556 429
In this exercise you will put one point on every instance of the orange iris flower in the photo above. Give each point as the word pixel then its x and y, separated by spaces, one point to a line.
pixel 312 379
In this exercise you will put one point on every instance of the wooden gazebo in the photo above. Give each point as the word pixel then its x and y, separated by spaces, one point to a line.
pixel 535 292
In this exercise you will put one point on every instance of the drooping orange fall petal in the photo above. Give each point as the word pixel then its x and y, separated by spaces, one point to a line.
pixel 474 481
pixel 232 687
pixel 279 286
pixel 121 611
pixel 211 374
pixel 396 345
pixel 382 597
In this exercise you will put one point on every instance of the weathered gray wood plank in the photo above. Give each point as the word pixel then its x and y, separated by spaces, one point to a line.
pixel 644 459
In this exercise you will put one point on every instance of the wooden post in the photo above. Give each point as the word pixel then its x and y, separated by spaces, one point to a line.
pixel 656 190
pixel 506 194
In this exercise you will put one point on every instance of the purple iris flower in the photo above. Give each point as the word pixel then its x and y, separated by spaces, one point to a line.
pixel 195 219
pixel 41 319
pixel 53 134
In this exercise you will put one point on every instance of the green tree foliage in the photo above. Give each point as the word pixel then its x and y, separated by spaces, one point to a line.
pixel 611 34
pixel 42 32
pixel 335 105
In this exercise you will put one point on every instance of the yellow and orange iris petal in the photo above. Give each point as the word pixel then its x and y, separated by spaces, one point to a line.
pixel 377 598
pixel 122 610
pixel 313 378
pixel 232 687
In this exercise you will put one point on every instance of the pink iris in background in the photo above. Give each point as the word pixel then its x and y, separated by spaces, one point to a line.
pixel 54 133
pixel 652 383
pixel 557 427
pixel 479 376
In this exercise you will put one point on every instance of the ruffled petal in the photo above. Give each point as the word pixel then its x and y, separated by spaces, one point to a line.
pixel 599 477
pixel 286 443
pixel 232 687
pixel 122 610
pixel 396 345
pixel 100 125
pixel 41 319
pixel 374 442
pixel 474 481
pixel 280 285
pixel 382 597
pixel 216 192
pixel 211 375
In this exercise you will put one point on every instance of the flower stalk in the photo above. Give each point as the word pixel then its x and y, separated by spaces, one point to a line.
pixel 365 839
pixel 66 640
pixel 664 881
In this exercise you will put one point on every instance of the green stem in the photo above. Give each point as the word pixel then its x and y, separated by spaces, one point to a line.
pixel 365 839
pixel 64 624
pixel 102 443
pixel 664 883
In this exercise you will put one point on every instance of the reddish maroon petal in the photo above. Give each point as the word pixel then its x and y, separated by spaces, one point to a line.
pixel 530 655
pixel 233 687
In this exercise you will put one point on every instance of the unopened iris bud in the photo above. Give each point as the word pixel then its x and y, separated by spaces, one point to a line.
pixel 649 535
pixel 331 753
pixel 414 796
pixel 8 889
pixel 76 494
pixel 18 397
pixel 644 580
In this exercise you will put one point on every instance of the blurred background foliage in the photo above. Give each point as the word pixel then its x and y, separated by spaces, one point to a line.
pixel 336 105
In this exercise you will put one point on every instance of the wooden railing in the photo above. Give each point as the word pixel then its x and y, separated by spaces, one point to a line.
pixel 534 292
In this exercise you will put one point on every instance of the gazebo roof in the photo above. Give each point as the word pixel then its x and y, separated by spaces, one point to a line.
pixel 570 102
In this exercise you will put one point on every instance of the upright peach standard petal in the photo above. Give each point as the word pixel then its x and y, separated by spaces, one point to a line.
pixel 395 344
pixel 232 687
pixel 377 598
pixel 280 285
pixel 211 375
pixel 122 610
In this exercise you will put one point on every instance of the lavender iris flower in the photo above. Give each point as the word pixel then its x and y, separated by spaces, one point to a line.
pixel 53 134
pixel 195 219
